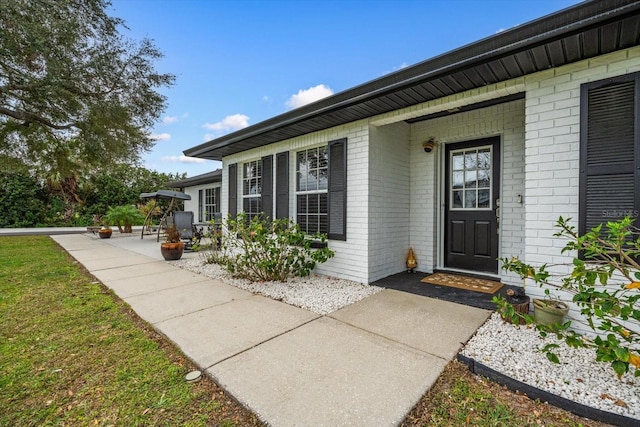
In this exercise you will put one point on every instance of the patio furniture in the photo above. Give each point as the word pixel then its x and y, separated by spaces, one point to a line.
pixel 173 197
pixel 183 220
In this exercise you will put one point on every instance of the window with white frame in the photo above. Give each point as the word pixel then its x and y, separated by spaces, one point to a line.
pixel 210 204
pixel 252 188
pixel 312 167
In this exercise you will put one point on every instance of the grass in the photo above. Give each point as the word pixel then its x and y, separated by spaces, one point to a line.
pixel 71 353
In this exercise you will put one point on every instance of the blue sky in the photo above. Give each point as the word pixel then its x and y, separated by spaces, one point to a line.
pixel 240 62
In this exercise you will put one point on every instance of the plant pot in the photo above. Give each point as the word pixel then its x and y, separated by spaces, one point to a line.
pixel 172 251
pixel 105 233
pixel 548 312
pixel 520 305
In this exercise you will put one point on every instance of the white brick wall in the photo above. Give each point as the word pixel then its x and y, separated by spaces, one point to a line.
pixel 386 163
pixel 552 152
pixel 351 259
pixel 389 199
pixel 504 120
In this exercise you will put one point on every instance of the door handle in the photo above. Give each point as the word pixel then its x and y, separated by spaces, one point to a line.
pixel 498 216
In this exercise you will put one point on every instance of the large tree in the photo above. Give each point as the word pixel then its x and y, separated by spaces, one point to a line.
pixel 74 92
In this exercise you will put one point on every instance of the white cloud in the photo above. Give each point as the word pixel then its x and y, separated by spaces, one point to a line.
pixel 167 120
pixel 229 123
pixel 209 136
pixel 307 96
pixel 401 66
pixel 160 136
pixel 181 159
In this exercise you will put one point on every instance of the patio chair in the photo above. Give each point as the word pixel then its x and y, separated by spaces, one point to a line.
pixel 183 220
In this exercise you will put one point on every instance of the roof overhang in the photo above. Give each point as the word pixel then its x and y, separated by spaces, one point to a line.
pixel 205 178
pixel 587 30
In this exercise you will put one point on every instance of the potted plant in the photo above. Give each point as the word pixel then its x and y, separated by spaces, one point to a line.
pixel 172 248
pixel 105 231
pixel 519 300
pixel 549 312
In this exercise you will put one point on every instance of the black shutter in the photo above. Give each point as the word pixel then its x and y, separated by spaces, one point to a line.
pixel 216 196
pixel 233 189
pixel 282 185
pixel 609 151
pixel 266 192
pixel 200 205
pixel 338 189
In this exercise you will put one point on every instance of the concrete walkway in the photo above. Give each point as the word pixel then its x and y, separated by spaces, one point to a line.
pixel 366 364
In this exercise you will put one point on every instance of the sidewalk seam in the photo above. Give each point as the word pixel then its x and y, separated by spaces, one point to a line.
pixel 392 340
pixel 265 341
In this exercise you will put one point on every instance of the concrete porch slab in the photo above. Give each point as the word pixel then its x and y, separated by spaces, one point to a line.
pixel 433 326
pixel 181 300
pixel 217 333
pixel 329 373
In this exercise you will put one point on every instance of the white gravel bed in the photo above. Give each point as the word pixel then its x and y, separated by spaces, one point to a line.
pixel 513 351
pixel 319 294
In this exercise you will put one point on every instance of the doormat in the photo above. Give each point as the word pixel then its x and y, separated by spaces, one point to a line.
pixel 463 282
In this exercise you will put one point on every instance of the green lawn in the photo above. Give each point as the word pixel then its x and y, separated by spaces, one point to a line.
pixel 71 353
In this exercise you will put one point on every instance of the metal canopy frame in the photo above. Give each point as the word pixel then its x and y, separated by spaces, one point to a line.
pixel 158 195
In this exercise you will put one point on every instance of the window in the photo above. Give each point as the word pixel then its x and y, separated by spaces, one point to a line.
pixel 471 178
pixel 211 207
pixel 208 203
pixel 609 151
pixel 252 189
pixel 312 167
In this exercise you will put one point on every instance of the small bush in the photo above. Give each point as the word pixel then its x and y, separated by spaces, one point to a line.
pixel 263 250
pixel 605 284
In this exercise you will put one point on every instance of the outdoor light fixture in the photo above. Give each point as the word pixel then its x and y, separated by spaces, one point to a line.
pixel 429 144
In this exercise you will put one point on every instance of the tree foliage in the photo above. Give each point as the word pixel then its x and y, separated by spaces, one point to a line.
pixel 22 201
pixel 26 201
pixel 74 92
pixel 604 284
pixel 120 184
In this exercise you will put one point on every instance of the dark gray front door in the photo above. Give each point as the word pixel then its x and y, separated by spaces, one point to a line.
pixel 472 187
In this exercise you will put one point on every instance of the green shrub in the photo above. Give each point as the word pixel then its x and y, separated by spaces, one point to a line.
pixel 262 250
pixel 605 284
pixel 23 201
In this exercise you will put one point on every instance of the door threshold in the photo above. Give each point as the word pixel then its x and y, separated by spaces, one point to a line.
pixel 470 273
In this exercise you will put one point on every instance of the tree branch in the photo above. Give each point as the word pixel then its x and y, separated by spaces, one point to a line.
pixel 30 118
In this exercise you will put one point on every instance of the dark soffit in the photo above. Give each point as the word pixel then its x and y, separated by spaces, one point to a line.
pixel 580 32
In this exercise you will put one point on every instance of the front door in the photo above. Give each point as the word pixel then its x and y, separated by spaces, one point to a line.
pixel 472 205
